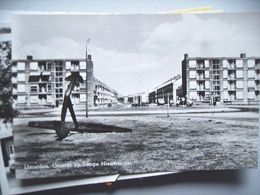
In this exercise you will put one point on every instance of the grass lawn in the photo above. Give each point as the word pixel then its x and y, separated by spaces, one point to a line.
pixel 157 143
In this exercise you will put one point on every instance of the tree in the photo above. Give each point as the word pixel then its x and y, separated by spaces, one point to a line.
pixel 6 110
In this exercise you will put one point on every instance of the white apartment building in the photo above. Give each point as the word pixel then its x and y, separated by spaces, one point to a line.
pixel 40 83
pixel 231 80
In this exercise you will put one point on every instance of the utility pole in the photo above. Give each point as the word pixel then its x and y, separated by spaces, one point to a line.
pixel 168 101
pixel 87 76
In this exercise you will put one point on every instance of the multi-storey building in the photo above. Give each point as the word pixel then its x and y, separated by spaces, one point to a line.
pixel 104 95
pixel 39 83
pixel 232 80
pixel 167 91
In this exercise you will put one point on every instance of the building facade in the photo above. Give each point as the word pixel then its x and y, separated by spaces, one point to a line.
pixel 40 83
pixel 166 92
pixel 138 99
pixel 231 80
pixel 103 94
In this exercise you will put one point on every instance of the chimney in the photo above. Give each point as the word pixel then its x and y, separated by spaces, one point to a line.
pixel 242 55
pixel 89 57
pixel 186 55
pixel 29 57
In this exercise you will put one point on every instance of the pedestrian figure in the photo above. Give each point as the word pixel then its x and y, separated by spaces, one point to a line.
pixel 75 79
pixel 214 102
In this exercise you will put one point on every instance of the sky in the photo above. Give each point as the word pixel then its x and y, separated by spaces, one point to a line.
pixel 136 52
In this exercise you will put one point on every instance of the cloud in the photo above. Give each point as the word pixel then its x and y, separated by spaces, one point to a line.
pixel 201 37
pixel 158 53
pixel 122 70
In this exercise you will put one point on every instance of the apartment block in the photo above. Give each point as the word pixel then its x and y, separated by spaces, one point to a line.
pixel 230 80
pixel 103 94
pixel 40 83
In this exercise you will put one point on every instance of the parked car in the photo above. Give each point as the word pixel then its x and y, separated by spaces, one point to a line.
pixel 189 103
pixel 160 101
pixel 183 102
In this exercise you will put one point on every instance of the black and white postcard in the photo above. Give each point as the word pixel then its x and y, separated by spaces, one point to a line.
pixel 128 94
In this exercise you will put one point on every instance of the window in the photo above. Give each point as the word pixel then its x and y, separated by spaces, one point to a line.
pixel 217 88
pixel 206 63
pixel 251 73
pixel 21 87
pixel 82 65
pixel 240 84
pixel 21 66
pixel 207 84
pixel 193 84
pixel 34 89
pixel 240 95
pixel 193 95
pixel 239 73
pixel 215 66
pixel 216 72
pixel 33 66
pixel 200 64
pixel 68 65
pixel 49 87
pixel 83 74
pixel 49 66
pixel 225 73
pixel 251 84
pixel 21 99
pixel 74 65
pixel 225 63
pixel 216 77
pixel 192 63
pixel 251 63
pixel 34 99
pixel 192 74
pixel 207 74
pixel 58 68
pixel 225 84
pixel 239 63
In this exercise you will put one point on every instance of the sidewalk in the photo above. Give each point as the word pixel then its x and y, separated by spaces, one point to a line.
pixel 138 111
pixel 152 112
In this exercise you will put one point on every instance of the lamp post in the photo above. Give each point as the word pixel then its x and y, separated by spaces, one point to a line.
pixel 168 101
pixel 87 76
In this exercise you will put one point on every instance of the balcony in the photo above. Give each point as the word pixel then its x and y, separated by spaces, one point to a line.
pixel 200 77
pixel 257 77
pixel 231 88
pixel 232 77
pixel 231 66
pixel 201 88
pixel 200 68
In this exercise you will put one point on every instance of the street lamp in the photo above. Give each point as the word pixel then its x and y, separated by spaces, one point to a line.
pixel 87 75
pixel 168 104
